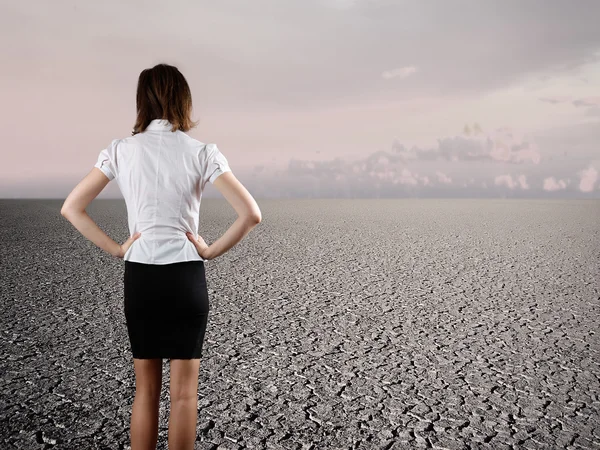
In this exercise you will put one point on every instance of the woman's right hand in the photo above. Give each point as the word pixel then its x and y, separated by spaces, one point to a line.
pixel 199 243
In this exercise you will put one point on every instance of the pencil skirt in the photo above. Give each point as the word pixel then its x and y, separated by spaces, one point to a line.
pixel 166 309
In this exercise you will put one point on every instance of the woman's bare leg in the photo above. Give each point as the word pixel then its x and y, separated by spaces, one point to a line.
pixel 144 414
pixel 184 403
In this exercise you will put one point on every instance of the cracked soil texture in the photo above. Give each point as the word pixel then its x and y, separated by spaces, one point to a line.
pixel 336 324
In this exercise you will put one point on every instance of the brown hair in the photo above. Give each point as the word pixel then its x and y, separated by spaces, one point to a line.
pixel 163 93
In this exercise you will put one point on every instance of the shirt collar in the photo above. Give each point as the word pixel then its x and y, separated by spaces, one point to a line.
pixel 160 124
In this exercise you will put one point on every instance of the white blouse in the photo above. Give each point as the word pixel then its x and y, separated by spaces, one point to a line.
pixel 162 175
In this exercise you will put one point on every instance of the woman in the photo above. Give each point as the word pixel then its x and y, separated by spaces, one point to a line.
pixel 162 172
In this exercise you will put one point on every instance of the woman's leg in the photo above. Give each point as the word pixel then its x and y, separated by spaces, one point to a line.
pixel 184 403
pixel 144 414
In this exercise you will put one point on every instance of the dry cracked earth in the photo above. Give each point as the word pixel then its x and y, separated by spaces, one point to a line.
pixel 348 324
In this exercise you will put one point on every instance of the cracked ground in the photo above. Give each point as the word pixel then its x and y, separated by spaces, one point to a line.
pixel 336 324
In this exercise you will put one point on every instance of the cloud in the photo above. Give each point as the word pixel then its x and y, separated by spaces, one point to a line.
pixel 593 112
pixel 407 177
pixel 503 145
pixel 588 178
pixel 508 181
pixel 402 72
pixel 589 101
pixel 461 53
pixel 464 165
pixel 443 178
pixel 458 164
pixel 515 153
pixel 551 184
pixel 345 4
pixel 554 100
pixel 475 130
pixel 577 102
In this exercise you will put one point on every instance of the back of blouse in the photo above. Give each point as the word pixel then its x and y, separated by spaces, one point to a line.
pixel 162 175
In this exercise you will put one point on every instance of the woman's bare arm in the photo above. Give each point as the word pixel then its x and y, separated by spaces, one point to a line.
pixel 248 212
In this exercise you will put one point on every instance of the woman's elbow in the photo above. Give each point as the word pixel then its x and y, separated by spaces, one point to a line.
pixel 253 218
pixel 65 210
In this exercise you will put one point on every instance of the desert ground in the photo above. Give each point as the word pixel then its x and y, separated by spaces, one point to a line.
pixel 336 324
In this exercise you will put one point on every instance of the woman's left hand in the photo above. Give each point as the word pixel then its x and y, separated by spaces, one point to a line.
pixel 127 244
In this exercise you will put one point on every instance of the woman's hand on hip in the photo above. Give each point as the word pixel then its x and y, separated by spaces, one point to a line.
pixel 125 246
pixel 199 243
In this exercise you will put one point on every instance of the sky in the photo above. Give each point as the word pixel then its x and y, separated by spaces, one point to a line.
pixel 316 98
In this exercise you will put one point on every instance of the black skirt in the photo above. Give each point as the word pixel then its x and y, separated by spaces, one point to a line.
pixel 166 309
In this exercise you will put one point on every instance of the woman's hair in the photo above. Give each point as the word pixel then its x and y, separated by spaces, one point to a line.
pixel 163 93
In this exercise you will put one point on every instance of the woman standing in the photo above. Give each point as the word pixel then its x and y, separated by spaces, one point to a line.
pixel 162 172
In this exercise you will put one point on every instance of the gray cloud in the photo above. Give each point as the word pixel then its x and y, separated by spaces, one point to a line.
pixel 310 54
pixel 442 177
pixel 499 147
pixel 507 180
pixel 577 102
pixel 458 47
pixel 588 178
pixel 586 102
pixel 552 184
pixel 593 112
pixel 551 100
pixel 401 72
pixel 459 166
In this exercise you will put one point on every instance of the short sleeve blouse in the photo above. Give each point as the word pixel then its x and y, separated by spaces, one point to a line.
pixel 216 163
pixel 107 160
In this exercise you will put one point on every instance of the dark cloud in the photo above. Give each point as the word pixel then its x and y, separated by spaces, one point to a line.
pixel 446 47
pixel 458 166
pixel 586 102
pixel 553 101
pixel 579 102
pixel 593 112
pixel 499 147
pixel 500 163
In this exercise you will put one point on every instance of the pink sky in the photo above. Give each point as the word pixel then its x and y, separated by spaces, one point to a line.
pixel 318 97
